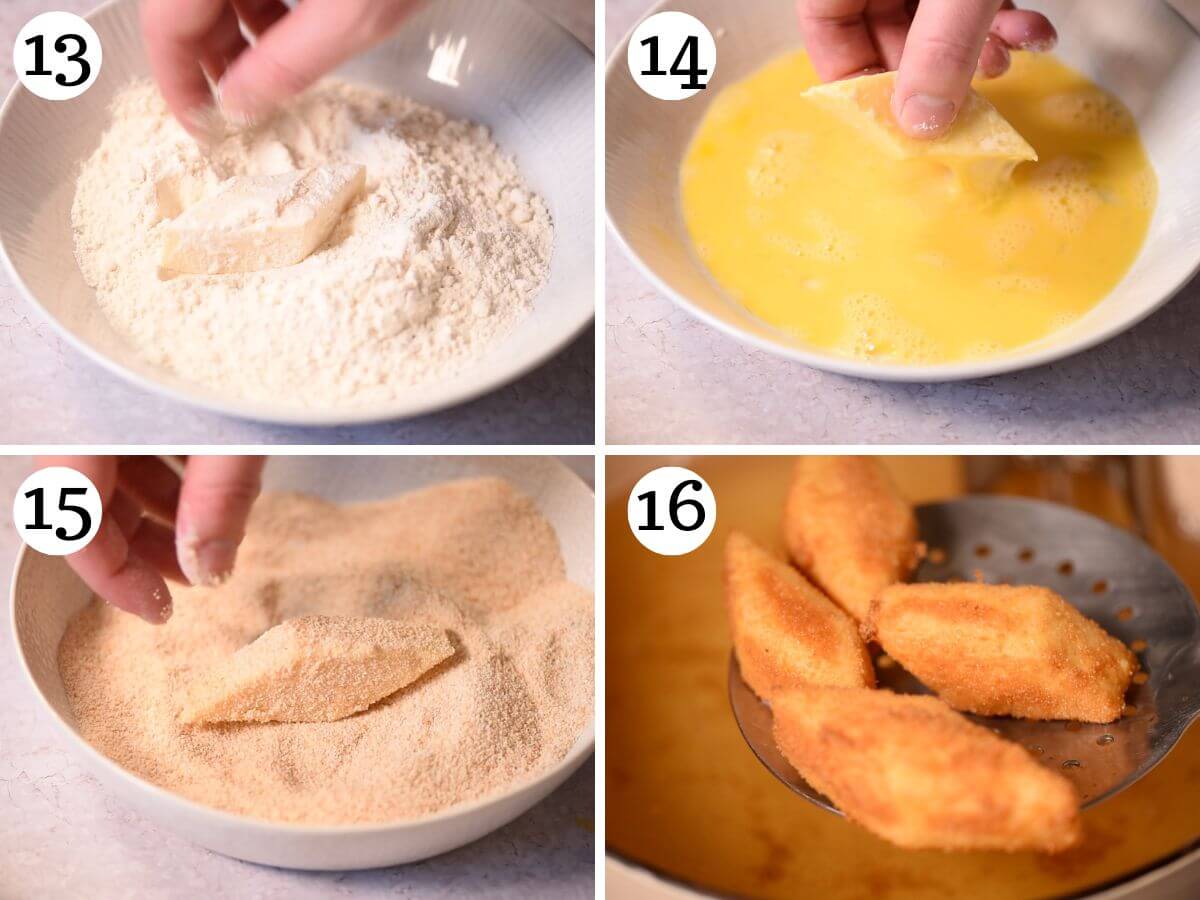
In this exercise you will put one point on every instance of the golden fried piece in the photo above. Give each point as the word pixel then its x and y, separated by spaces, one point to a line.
pixel 918 774
pixel 998 650
pixel 785 631
pixel 848 529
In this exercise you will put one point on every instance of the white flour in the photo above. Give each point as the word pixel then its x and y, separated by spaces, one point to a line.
pixel 441 255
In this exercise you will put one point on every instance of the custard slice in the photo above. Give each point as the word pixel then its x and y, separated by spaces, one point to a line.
pixel 1000 650
pixel 979 132
pixel 315 669
pixel 916 773
pixel 785 631
pixel 258 222
pixel 847 528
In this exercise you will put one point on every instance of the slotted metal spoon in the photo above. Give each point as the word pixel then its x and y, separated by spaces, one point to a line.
pixel 1111 576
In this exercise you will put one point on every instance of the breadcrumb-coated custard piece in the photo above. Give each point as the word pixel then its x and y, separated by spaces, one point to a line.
pixel 847 527
pixel 914 772
pixel 315 669
pixel 785 631
pixel 999 650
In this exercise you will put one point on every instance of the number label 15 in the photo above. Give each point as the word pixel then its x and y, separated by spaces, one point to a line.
pixel 672 511
pixel 57 510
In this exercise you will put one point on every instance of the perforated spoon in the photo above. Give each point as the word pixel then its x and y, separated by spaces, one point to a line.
pixel 1108 574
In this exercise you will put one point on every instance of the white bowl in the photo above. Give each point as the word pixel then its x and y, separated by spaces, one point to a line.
pixel 46 594
pixel 521 74
pixel 1141 51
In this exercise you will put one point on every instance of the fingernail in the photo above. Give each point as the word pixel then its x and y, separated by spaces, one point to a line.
pixel 206 563
pixel 1039 45
pixel 159 610
pixel 165 608
pixel 925 116
pixel 206 125
pixel 236 114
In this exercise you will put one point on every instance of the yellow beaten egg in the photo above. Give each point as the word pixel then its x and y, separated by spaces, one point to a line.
pixel 858 248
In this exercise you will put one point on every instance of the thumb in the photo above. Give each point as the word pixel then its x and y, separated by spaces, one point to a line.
pixel 940 56
pixel 311 40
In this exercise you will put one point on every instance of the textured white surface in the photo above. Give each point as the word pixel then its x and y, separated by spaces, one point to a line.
pixel 62 835
pixel 671 379
pixel 52 394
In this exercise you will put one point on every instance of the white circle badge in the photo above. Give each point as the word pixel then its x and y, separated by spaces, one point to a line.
pixel 57 55
pixel 57 510
pixel 672 55
pixel 672 511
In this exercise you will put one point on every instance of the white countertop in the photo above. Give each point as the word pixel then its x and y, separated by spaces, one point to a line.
pixel 53 394
pixel 672 379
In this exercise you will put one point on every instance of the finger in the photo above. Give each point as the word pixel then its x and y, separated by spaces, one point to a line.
pixel 1023 29
pixel 106 565
pixel 311 40
pixel 214 503
pixel 155 543
pixel 994 59
pixel 259 15
pixel 125 511
pixel 940 57
pixel 888 22
pixel 151 482
pixel 119 575
pixel 836 37
pixel 100 470
pixel 175 35
pixel 149 540
pixel 223 44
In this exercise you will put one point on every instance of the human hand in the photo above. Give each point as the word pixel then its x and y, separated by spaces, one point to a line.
pixel 936 47
pixel 157 526
pixel 193 43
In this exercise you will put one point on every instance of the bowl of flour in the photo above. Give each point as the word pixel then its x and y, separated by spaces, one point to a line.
pixel 493 553
pixel 457 257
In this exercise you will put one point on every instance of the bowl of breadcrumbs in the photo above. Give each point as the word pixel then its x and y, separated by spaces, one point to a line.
pixel 400 663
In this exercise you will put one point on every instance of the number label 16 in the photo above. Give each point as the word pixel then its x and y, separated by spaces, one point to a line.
pixel 672 511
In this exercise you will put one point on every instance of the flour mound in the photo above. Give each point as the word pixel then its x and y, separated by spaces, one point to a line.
pixel 439 257
pixel 315 669
pixel 472 559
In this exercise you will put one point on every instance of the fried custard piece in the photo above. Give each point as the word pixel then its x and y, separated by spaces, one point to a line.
pixel 918 774
pixel 785 631
pixel 847 527
pixel 998 650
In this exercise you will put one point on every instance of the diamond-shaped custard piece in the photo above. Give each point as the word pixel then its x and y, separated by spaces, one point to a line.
pixel 1000 650
pixel 257 222
pixel 978 132
pixel 315 669
pixel 848 528
pixel 920 775
pixel 785 631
